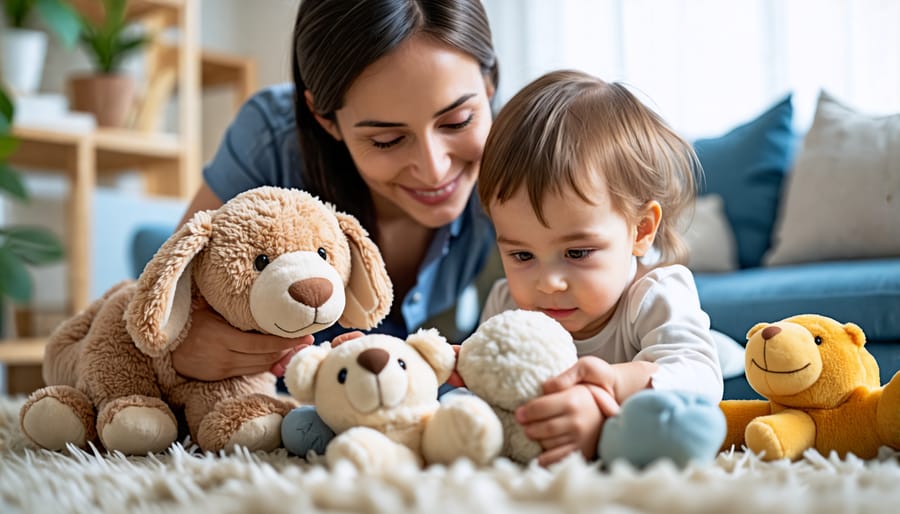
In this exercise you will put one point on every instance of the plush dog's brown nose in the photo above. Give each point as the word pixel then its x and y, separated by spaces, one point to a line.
pixel 311 291
pixel 374 360
pixel 770 332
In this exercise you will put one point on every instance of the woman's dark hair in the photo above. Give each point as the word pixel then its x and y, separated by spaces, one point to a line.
pixel 334 41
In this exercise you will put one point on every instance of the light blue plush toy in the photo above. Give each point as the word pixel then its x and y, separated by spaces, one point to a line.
pixel 653 425
pixel 303 430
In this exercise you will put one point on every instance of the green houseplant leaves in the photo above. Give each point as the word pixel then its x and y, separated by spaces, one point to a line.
pixel 59 17
pixel 107 41
pixel 19 246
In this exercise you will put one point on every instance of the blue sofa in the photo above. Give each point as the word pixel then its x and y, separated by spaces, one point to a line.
pixel 749 167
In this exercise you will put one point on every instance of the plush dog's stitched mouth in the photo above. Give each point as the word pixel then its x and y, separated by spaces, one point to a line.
pixel 279 327
pixel 767 370
pixel 314 322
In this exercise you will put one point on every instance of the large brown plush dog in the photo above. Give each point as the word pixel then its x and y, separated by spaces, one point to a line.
pixel 272 260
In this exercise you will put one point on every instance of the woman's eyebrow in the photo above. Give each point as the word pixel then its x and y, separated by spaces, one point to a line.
pixel 459 101
pixel 392 124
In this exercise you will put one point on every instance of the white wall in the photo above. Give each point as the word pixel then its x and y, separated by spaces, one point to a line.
pixel 260 29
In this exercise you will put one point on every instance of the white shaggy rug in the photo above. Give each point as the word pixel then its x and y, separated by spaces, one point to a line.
pixel 184 480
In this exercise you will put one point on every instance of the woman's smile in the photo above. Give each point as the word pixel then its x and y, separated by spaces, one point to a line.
pixel 434 196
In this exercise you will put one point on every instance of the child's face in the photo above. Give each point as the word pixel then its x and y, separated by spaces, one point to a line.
pixel 576 269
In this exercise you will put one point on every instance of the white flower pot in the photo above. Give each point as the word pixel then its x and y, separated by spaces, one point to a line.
pixel 22 59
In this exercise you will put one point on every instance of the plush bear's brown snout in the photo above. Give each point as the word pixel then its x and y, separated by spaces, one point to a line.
pixel 373 360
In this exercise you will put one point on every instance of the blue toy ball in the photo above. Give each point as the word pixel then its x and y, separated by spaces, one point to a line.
pixel 303 430
pixel 654 425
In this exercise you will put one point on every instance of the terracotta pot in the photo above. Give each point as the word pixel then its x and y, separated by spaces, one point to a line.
pixel 109 97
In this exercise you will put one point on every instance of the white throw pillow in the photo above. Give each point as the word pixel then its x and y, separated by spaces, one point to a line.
pixel 842 199
pixel 710 238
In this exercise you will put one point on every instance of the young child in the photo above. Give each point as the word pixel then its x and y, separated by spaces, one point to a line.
pixel 584 185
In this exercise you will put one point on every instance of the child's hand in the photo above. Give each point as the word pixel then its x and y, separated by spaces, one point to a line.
pixel 593 371
pixel 566 421
pixel 346 336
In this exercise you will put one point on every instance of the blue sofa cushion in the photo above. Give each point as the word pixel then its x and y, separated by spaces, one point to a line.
pixel 866 292
pixel 145 242
pixel 746 167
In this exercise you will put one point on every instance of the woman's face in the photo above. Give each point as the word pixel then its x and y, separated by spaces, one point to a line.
pixel 415 123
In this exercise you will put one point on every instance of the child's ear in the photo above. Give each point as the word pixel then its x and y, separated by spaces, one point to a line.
pixel 329 125
pixel 647 225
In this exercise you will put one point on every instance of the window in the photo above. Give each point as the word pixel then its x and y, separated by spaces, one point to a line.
pixel 706 65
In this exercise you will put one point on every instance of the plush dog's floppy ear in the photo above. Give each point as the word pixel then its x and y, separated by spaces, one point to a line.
pixel 300 375
pixel 369 292
pixel 161 307
pixel 433 347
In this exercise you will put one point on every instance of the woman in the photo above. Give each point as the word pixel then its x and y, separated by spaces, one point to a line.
pixel 386 119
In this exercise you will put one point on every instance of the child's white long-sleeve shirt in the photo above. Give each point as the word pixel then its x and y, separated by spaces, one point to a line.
pixel 658 319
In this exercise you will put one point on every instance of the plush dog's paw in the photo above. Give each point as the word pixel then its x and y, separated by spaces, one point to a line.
pixel 136 425
pixel 57 415
pixel 252 421
pixel 369 451
pixel 464 426
pixel 654 425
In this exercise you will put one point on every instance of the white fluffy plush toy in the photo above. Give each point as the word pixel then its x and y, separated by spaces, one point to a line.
pixel 378 393
pixel 505 362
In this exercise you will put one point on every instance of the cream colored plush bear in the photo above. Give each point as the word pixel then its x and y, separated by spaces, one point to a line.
pixel 378 393
pixel 505 362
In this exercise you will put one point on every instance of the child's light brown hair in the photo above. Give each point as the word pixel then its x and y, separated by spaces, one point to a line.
pixel 565 127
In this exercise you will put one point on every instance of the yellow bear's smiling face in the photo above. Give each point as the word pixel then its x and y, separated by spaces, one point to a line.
pixel 808 361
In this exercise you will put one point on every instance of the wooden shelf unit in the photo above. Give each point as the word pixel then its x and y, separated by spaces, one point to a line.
pixel 81 157
pixel 22 351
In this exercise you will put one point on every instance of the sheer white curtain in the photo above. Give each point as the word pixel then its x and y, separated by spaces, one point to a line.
pixel 706 65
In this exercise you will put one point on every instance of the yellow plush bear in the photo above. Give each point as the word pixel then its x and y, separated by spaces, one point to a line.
pixel 823 392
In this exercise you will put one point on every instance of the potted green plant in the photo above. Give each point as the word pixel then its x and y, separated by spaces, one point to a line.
pixel 107 93
pixel 20 246
pixel 24 48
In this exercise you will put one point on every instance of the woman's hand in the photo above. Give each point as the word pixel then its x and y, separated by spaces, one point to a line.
pixel 215 350
pixel 566 421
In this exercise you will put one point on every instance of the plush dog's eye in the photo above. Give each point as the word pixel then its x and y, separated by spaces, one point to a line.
pixel 323 254
pixel 261 262
pixel 402 363
pixel 342 375
pixel 818 340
